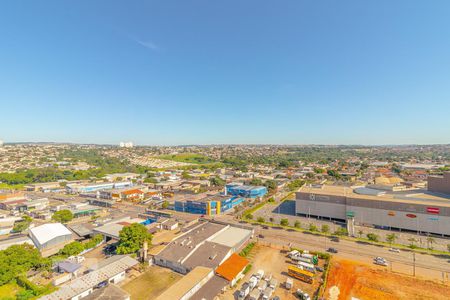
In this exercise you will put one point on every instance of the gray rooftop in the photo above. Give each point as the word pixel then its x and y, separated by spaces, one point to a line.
pixel 109 292
pixel 180 248
pixel 208 255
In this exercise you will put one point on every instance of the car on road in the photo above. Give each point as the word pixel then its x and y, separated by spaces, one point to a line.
pixel 265 227
pixel 332 250
pixel 261 236
pixel 380 261
pixel 335 239
pixel 395 250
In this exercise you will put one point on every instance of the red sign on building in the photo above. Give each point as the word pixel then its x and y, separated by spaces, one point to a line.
pixel 433 210
pixel 411 216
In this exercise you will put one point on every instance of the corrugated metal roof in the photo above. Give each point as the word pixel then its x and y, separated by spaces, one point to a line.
pixel 112 266
pixel 230 268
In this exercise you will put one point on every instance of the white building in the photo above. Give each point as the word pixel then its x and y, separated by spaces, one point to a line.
pixel 50 236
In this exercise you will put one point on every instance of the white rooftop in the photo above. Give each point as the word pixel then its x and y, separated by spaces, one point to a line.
pixel 49 231
pixel 231 236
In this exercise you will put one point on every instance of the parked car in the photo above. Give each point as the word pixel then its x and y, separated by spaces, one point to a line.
pixel 332 250
pixel 260 236
pixel 302 295
pixel 394 250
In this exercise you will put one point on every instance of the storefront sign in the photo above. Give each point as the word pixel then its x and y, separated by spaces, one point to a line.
pixel 433 210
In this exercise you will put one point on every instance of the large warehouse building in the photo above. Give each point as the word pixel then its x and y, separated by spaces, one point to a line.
pixel 418 211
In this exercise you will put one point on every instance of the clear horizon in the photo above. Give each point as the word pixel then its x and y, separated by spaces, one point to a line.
pixel 211 73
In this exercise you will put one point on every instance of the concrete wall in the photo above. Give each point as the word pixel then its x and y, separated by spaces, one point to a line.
pixel 439 184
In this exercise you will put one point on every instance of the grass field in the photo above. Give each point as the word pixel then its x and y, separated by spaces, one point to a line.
pixel 11 187
pixel 188 158
pixel 151 284
pixel 9 291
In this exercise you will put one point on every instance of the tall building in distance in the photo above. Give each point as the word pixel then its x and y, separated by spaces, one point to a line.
pixel 126 144
pixel 1 143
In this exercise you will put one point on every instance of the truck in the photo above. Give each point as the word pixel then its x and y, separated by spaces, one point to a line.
pixel 301 258
pixel 244 291
pixel 267 293
pixel 262 285
pixel 307 255
pixel 306 266
pixel 254 295
pixel 253 281
pixel 293 253
pixel 260 274
pixel 273 283
pixel 289 283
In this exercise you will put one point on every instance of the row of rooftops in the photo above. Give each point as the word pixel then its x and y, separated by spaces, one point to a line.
pixel 102 272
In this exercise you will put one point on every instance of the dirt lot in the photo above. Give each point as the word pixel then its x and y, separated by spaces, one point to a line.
pixel 151 283
pixel 273 261
pixel 349 279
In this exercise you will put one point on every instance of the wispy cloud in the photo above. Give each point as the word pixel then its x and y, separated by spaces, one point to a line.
pixel 147 44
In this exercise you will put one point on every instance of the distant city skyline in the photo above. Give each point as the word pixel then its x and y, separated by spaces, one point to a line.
pixel 234 72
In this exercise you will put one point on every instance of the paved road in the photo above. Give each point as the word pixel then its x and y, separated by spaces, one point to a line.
pixel 429 266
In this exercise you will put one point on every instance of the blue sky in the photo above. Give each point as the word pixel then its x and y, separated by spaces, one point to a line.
pixel 209 72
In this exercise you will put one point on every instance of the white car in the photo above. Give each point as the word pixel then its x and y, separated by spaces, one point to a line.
pixel 394 250
pixel 380 261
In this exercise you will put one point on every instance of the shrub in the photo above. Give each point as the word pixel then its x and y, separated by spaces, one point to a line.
pixel 284 222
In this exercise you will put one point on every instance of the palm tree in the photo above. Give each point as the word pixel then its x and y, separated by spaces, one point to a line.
pixel 430 242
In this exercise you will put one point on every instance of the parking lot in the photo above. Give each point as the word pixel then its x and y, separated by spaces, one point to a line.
pixel 274 261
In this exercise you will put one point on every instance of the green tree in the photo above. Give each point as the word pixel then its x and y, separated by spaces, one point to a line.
pixel 360 233
pixel 372 237
pixel 448 247
pixel 250 216
pixel 62 216
pixel 217 181
pixel 260 220
pixel 284 222
pixel 256 181
pixel 271 185
pixel 17 260
pixel 73 248
pixel 313 227
pixel 297 224
pixel 341 231
pixel 390 238
pixel 325 229
pixel 295 185
pixel 165 204
pixel 132 238
pixel 23 224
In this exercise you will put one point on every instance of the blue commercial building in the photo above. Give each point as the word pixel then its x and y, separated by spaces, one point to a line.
pixel 246 191
pixel 212 205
